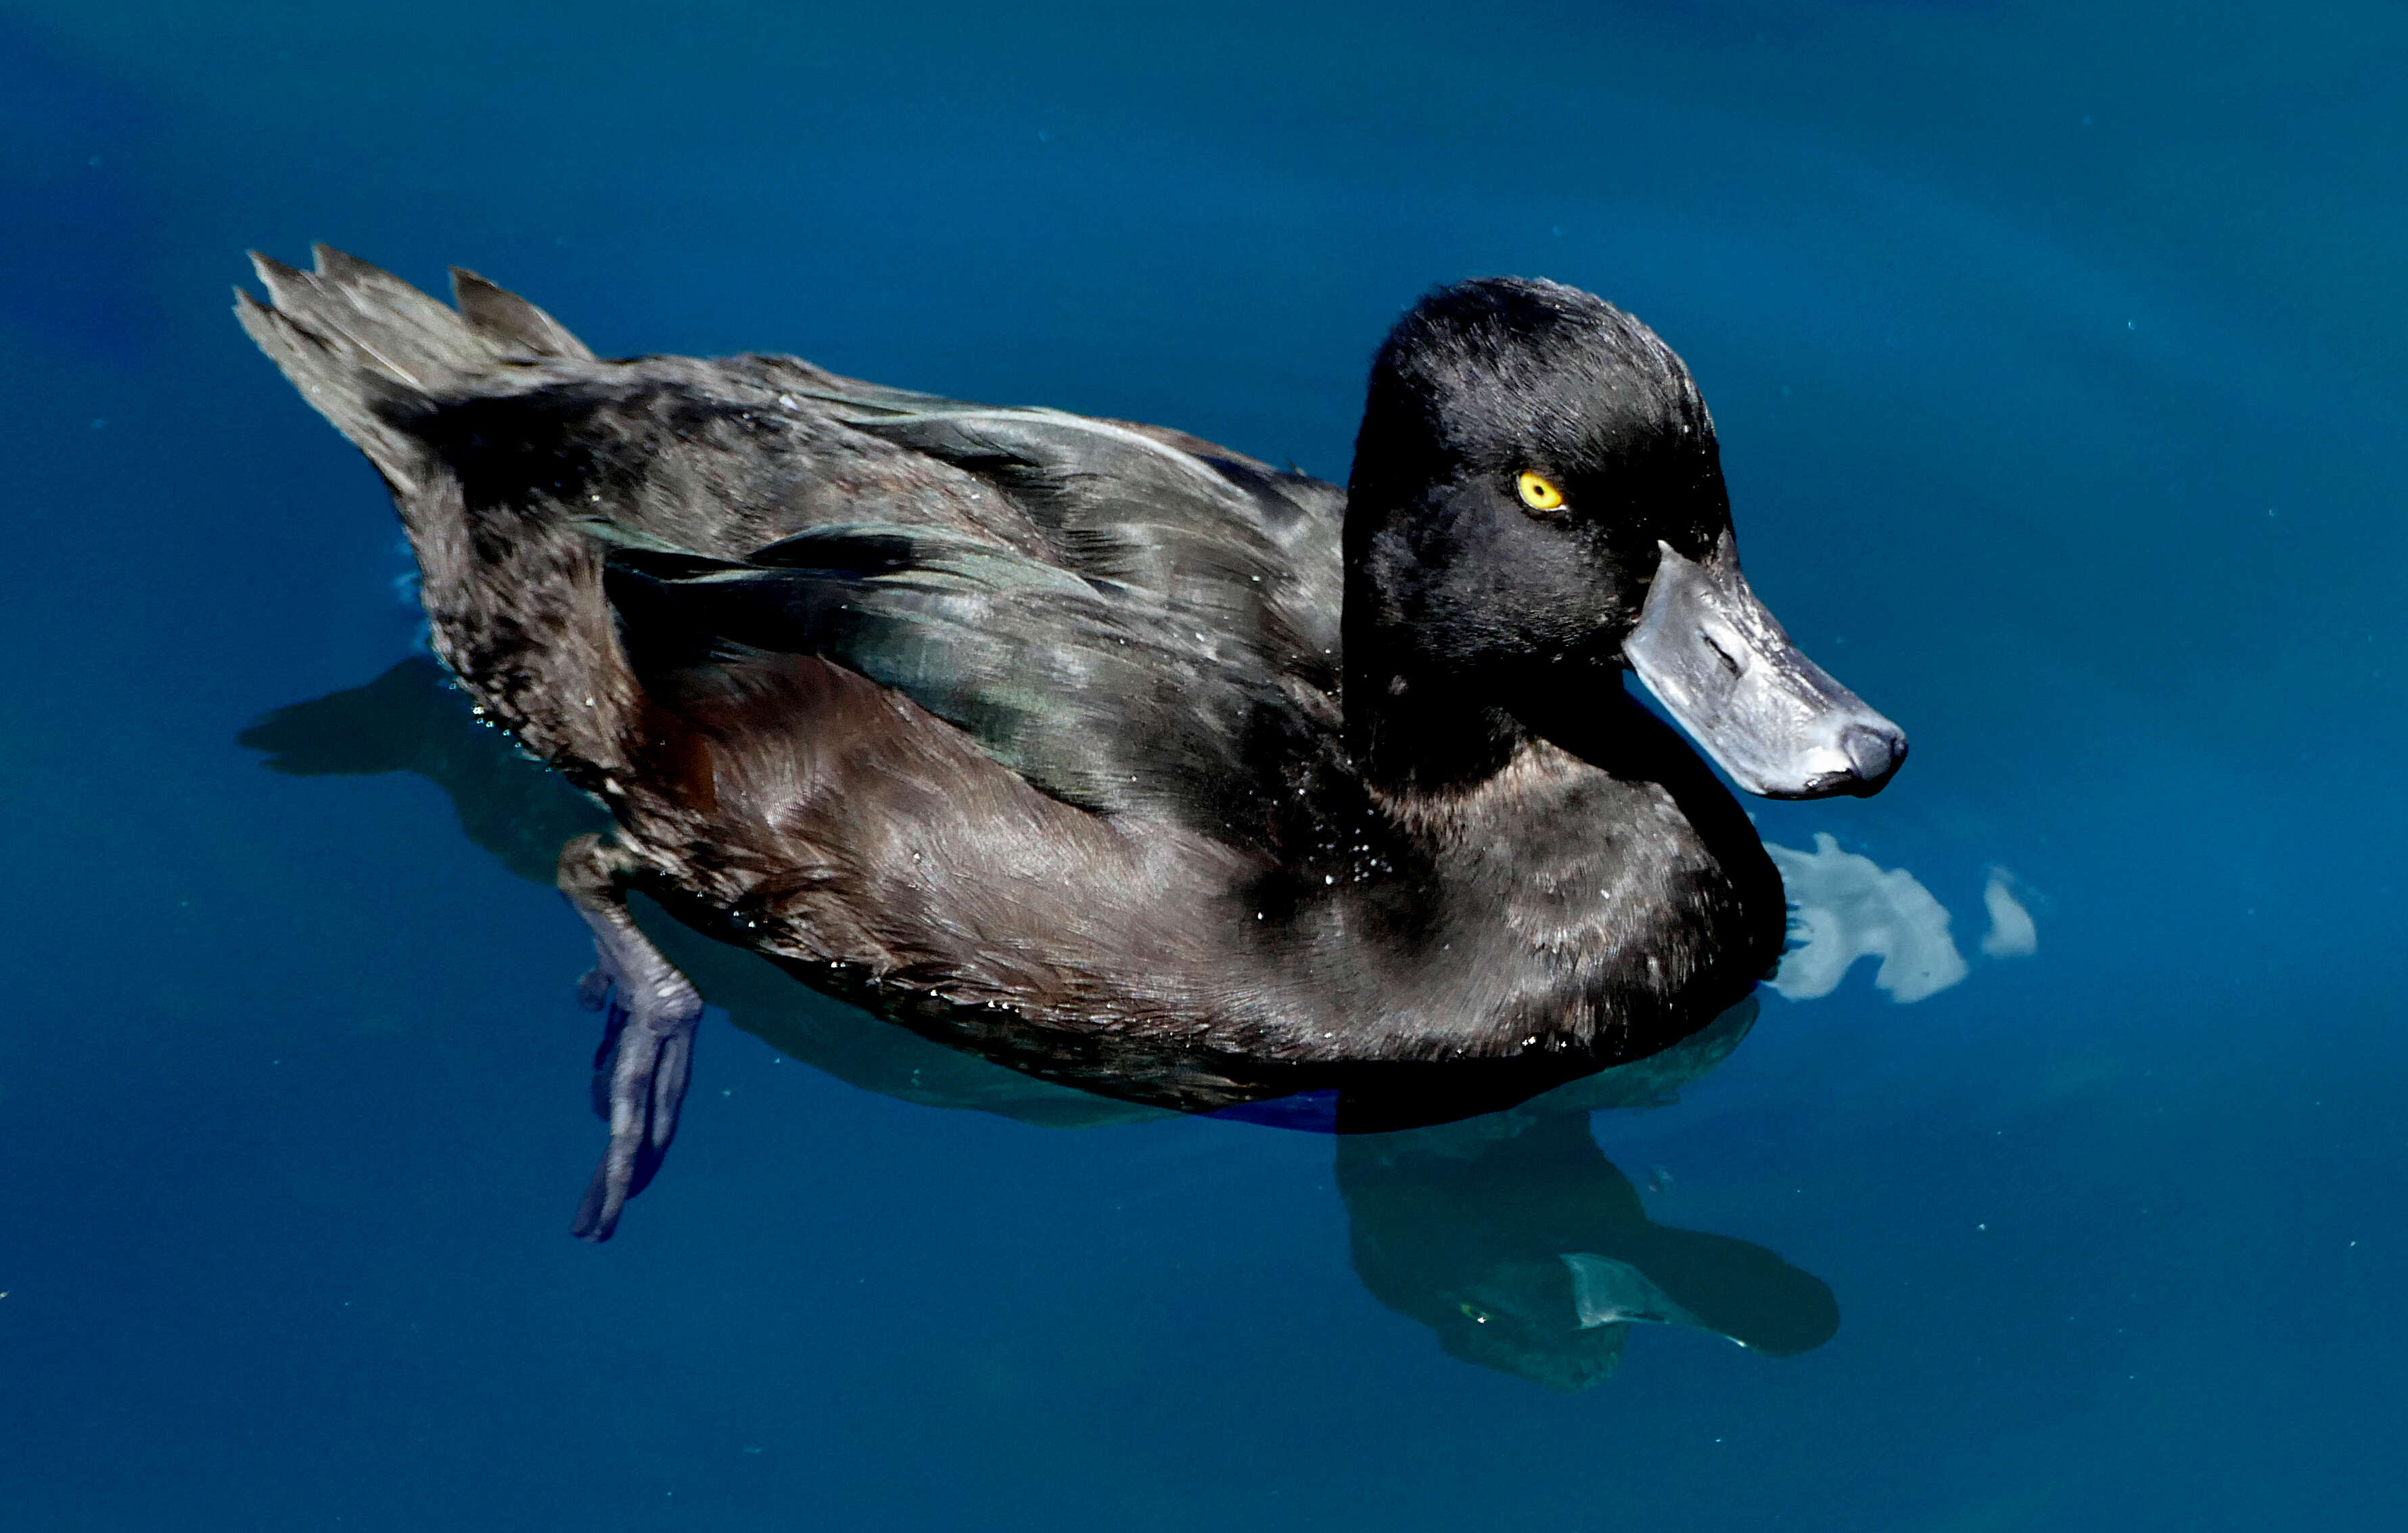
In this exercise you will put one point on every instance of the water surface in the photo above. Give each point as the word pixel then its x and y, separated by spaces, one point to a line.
pixel 2054 348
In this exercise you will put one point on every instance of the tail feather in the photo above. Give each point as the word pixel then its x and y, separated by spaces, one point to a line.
pixel 368 350
pixel 342 382
pixel 391 326
pixel 509 323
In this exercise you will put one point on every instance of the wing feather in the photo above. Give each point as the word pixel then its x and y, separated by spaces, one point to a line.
pixel 1222 538
pixel 1096 692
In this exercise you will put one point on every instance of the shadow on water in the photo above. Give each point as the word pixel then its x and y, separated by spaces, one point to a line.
pixel 1510 1236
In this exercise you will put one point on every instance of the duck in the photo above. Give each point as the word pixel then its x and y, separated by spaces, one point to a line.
pixel 1096 748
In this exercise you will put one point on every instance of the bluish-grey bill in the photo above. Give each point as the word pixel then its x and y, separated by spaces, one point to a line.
pixel 1775 721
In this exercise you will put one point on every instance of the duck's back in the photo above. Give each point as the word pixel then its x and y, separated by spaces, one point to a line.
pixel 1125 616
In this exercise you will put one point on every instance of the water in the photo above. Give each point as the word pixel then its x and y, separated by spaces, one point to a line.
pixel 2054 348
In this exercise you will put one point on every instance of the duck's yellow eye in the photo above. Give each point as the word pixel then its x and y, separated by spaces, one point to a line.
pixel 1538 492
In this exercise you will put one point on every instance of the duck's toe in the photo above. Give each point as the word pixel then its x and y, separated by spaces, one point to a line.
pixel 641 1076
pixel 650 1011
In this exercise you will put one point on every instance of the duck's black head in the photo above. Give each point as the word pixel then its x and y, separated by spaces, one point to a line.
pixel 1537 494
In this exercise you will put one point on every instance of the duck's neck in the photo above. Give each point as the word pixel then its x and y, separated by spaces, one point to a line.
pixel 1422 718
pixel 1414 728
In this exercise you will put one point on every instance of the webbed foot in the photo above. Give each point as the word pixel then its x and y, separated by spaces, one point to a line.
pixel 647 1054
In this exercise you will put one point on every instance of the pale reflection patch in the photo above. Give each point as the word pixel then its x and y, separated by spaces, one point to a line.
pixel 1606 1292
pixel 1844 906
pixel 2011 934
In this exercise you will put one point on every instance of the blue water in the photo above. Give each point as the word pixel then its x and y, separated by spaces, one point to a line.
pixel 2055 348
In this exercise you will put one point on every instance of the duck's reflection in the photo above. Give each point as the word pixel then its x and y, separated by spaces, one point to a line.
pixel 1510 1236
pixel 1520 1244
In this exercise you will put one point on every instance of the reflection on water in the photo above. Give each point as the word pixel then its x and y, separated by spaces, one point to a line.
pixel 1510 1234
pixel 2011 934
pixel 1526 1250
pixel 1844 906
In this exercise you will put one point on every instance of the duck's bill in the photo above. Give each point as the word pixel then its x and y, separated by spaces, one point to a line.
pixel 1772 718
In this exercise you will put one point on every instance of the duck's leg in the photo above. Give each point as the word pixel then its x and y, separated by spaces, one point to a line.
pixel 640 1072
